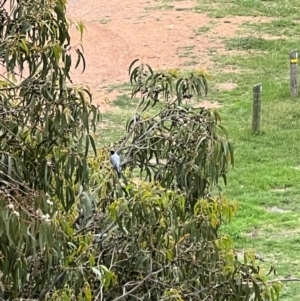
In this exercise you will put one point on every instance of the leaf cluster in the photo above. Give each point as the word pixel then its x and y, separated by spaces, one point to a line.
pixel 147 245
pixel 45 122
pixel 182 146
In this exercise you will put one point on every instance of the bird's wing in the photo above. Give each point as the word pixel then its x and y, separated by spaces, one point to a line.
pixel 118 159
pixel 115 161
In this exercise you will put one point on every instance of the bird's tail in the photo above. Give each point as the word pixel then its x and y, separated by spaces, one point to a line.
pixel 121 176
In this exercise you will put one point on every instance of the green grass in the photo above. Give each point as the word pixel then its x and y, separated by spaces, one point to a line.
pixel 279 27
pixel 265 179
pixel 271 8
pixel 251 42
pixel 187 52
pixel 266 174
pixel 202 29
pixel 159 7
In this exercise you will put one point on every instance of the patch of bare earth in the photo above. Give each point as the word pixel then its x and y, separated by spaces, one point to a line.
pixel 276 210
pixel 280 190
pixel 226 86
pixel 119 32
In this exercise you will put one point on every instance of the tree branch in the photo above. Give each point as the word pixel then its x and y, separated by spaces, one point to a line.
pixel 145 279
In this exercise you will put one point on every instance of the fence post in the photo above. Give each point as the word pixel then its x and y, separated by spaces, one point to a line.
pixel 256 108
pixel 294 72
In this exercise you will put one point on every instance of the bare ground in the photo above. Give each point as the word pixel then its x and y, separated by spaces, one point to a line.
pixel 119 32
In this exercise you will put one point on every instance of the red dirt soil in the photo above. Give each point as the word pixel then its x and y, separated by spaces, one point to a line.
pixel 119 32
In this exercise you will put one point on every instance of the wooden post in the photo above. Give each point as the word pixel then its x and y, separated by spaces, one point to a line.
pixel 294 72
pixel 256 108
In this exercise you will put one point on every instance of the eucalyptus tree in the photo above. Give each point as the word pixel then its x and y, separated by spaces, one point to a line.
pixel 46 127
pixel 158 240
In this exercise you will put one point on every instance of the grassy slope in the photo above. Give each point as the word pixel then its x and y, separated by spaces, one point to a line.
pixel 266 177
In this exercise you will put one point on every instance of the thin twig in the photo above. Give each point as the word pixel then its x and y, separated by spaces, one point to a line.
pixel 142 281
pixel 57 279
pixel 100 294
pixel 284 280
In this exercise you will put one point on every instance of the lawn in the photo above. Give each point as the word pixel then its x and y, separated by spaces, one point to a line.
pixel 265 179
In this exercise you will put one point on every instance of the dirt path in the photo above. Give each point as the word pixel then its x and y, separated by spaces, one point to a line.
pixel 119 32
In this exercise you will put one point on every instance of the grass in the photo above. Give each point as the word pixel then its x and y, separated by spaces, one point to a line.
pixel 202 29
pixel 266 174
pixel 278 27
pixel 271 8
pixel 159 7
pixel 265 179
pixel 256 43
pixel 186 52
pixel 104 20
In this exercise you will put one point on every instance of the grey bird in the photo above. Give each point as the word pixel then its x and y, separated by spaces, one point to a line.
pixel 115 161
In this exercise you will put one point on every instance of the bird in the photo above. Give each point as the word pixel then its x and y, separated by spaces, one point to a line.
pixel 115 161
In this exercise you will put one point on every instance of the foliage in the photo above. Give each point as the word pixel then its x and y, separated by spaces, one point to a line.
pixel 45 129
pixel 182 146
pixel 154 241
pixel 148 246
pixel 46 123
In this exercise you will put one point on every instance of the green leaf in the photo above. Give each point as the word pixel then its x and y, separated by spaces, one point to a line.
pixel 81 27
pixel 133 62
pixel 224 130
pixel 24 46
pixel 87 143
pixel 78 58
pixel 83 61
pixel 150 69
pixel 93 144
